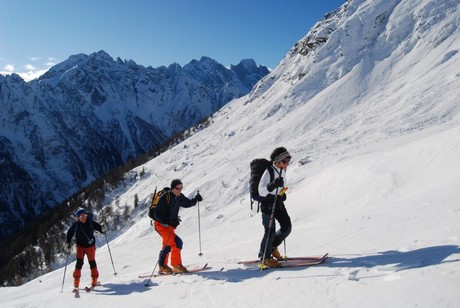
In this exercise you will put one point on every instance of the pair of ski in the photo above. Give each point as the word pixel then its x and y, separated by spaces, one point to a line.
pixel 290 262
pixel 285 263
pixel 189 271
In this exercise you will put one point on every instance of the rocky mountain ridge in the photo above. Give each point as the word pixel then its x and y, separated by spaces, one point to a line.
pixel 92 113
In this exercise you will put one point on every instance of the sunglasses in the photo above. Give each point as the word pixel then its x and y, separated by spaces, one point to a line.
pixel 286 161
pixel 178 188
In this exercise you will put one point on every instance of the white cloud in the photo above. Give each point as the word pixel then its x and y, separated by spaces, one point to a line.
pixel 30 67
pixel 9 68
pixel 30 71
pixel 31 75
pixel 51 62
pixel 27 75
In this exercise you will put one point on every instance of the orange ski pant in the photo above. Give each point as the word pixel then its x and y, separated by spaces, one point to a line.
pixel 171 246
pixel 91 254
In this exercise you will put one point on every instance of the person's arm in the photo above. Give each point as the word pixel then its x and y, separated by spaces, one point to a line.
pixel 70 233
pixel 263 183
pixel 186 202
pixel 97 227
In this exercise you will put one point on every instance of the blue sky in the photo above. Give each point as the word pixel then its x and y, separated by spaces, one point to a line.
pixel 36 34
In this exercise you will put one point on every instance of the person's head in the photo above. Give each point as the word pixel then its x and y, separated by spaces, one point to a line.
pixel 280 157
pixel 81 214
pixel 176 187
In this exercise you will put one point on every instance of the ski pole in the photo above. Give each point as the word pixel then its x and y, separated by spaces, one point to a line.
pixel 270 223
pixel 65 270
pixel 154 268
pixel 110 253
pixel 199 227
pixel 159 256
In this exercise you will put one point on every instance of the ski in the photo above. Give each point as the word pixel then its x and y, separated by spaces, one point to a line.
pixel 299 263
pixel 313 258
pixel 296 263
pixel 189 271
pixel 76 292
pixel 91 287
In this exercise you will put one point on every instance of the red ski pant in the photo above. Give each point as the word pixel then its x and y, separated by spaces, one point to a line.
pixel 172 245
pixel 90 253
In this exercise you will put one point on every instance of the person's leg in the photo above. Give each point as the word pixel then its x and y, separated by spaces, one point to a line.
pixel 167 234
pixel 91 254
pixel 284 221
pixel 176 258
pixel 268 236
pixel 78 267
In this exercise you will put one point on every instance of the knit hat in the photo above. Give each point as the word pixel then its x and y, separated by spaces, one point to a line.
pixel 279 154
pixel 175 182
pixel 80 211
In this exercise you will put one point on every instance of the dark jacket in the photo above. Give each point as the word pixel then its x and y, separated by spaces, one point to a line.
pixel 84 232
pixel 168 212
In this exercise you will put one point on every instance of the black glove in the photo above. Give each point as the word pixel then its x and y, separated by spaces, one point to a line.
pixel 175 222
pixel 278 182
pixel 198 197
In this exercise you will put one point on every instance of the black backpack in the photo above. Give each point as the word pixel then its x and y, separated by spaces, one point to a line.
pixel 156 197
pixel 258 167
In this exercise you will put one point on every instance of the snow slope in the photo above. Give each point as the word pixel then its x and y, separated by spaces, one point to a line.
pixel 375 179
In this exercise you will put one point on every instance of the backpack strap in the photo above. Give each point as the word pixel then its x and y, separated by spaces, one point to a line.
pixel 272 173
pixel 168 198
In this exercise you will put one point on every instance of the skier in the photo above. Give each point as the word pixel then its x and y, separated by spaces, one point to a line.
pixel 268 188
pixel 166 222
pixel 84 229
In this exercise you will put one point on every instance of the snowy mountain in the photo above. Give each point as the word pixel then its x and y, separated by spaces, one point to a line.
pixel 367 104
pixel 89 114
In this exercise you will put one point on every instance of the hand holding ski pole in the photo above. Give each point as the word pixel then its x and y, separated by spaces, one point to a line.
pixel 283 191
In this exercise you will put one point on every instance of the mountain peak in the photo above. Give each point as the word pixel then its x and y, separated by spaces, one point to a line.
pixel 99 112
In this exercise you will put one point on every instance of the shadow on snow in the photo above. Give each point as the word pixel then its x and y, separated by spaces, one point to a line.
pixel 383 261
pixel 398 260
pixel 122 288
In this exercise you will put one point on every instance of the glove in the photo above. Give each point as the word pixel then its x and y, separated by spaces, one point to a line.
pixel 68 248
pixel 175 222
pixel 198 197
pixel 103 229
pixel 278 182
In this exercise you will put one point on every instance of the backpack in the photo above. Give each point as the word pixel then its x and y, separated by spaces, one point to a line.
pixel 156 197
pixel 258 167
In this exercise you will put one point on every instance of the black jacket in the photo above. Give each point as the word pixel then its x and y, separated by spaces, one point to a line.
pixel 167 212
pixel 84 232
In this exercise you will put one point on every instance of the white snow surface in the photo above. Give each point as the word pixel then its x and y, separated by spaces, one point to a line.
pixel 371 118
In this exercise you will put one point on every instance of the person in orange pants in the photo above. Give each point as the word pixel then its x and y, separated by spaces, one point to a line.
pixel 166 221
pixel 83 229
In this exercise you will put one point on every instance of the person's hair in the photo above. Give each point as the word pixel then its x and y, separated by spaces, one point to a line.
pixel 175 182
